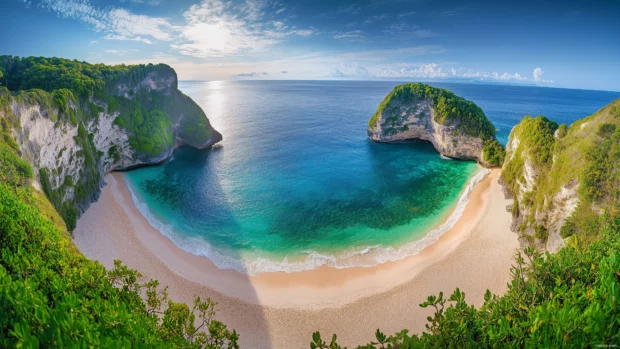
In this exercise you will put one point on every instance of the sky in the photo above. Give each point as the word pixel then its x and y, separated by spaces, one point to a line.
pixel 569 44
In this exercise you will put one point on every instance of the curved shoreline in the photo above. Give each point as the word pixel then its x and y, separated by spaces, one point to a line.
pixel 367 257
pixel 281 310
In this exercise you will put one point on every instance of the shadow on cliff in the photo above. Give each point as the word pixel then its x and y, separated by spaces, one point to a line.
pixel 181 191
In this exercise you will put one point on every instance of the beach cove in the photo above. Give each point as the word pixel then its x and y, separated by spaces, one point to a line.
pixel 281 310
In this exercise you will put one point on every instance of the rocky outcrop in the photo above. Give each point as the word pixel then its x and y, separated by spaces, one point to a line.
pixel 537 216
pixel 70 158
pixel 559 177
pixel 415 122
pixel 407 114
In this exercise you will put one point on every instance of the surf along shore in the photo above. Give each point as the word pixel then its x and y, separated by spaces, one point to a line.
pixel 281 310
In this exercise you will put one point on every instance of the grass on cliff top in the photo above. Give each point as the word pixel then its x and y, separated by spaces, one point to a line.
pixel 447 108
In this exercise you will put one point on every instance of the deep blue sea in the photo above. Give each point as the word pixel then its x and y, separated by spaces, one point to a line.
pixel 296 184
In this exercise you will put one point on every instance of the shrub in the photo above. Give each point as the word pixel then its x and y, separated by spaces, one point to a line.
pixel 493 152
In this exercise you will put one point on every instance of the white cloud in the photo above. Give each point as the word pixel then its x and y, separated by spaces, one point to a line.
pixel 426 71
pixel 376 18
pixel 118 24
pixel 407 14
pixel 350 35
pixel 304 32
pixel 337 73
pixel 121 52
pixel 213 30
pixel 147 2
pixel 538 76
pixel 506 76
pixel 423 33
pixel 421 71
pixel 249 75
pixel 125 37
pixel 453 12
pixel 125 23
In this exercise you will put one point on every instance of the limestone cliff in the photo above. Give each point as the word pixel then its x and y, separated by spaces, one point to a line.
pixel 562 178
pixel 72 140
pixel 457 128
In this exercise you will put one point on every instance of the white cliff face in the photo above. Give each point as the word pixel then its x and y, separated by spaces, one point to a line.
pixel 563 205
pixel 44 144
pixel 415 121
pixel 51 145
pixel 556 208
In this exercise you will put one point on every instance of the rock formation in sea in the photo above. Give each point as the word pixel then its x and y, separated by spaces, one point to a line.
pixel 562 178
pixel 73 135
pixel 457 128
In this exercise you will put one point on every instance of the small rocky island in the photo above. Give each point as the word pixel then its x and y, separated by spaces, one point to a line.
pixel 456 127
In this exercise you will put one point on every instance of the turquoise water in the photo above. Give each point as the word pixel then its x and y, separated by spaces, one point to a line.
pixel 296 184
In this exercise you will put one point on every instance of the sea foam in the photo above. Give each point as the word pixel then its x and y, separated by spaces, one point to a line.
pixel 362 257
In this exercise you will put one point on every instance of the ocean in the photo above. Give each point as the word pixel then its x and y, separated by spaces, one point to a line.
pixel 296 184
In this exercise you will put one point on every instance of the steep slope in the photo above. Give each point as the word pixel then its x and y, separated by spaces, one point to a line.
pixel 74 121
pixel 456 127
pixel 563 178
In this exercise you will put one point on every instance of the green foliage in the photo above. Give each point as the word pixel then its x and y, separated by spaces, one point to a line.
pixel 568 300
pixel 14 170
pixel 541 233
pixel 569 228
pixel 448 108
pixel 536 137
pixel 194 125
pixel 151 128
pixel 600 174
pixel 562 131
pixel 51 74
pixel 52 296
pixel 493 152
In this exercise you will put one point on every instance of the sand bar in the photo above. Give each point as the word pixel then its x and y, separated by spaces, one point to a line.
pixel 281 310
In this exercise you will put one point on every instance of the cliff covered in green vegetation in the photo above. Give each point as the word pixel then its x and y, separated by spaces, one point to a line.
pixel 562 178
pixel 456 127
pixel 51 296
pixel 75 121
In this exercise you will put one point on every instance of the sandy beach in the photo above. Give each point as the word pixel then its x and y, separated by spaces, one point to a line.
pixel 281 310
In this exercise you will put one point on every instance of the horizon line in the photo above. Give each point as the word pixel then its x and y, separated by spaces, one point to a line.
pixel 470 82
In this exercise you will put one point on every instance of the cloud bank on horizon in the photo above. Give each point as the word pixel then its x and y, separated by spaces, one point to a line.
pixel 375 39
